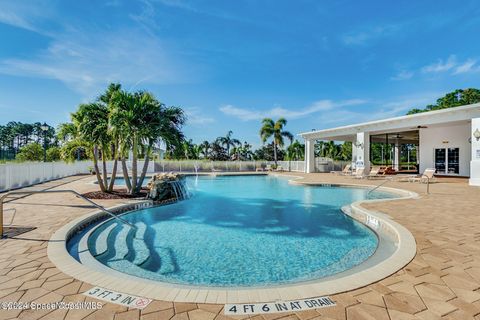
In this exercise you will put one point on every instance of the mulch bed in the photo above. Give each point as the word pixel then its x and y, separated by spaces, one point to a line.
pixel 115 194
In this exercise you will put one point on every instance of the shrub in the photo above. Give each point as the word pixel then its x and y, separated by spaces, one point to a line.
pixel 30 152
pixel 53 154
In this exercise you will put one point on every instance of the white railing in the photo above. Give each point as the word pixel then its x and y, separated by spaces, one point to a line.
pixel 18 175
pixel 297 166
pixel 207 166
pixel 150 169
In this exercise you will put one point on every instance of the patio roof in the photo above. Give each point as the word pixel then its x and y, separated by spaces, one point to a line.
pixel 450 116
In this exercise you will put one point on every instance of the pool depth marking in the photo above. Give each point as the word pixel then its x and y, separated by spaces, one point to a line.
pixel 120 298
pixel 278 306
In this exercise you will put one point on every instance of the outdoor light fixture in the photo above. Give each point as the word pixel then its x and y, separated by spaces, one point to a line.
pixel 358 144
pixel 476 134
pixel 44 128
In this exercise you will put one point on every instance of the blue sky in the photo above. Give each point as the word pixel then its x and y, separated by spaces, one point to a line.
pixel 231 63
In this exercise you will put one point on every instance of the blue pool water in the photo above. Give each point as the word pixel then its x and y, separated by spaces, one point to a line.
pixel 240 231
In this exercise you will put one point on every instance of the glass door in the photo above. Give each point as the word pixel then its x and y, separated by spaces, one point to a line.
pixel 440 160
pixel 447 160
pixel 453 161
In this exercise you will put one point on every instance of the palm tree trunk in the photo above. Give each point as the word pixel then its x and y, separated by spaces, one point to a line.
pixel 134 164
pixel 275 152
pixel 104 165
pixel 114 175
pixel 125 175
pixel 95 166
pixel 144 169
pixel 114 169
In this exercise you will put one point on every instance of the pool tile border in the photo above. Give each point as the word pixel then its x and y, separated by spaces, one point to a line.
pixel 354 278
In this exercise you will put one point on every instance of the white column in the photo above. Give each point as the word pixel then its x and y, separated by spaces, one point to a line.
pixel 362 151
pixel 309 156
pixel 475 162
pixel 397 156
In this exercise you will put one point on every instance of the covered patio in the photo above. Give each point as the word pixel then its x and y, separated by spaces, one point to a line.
pixel 445 140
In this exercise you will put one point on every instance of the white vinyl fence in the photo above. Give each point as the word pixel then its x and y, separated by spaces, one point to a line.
pixel 297 166
pixel 17 175
pixel 140 163
pixel 207 166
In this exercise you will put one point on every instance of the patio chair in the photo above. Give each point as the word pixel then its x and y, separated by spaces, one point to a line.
pixel 268 167
pixel 389 171
pixel 279 168
pixel 215 170
pixel 346 170
pixel 377 173
pixel 427 176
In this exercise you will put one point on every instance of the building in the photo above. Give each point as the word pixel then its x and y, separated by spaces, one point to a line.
pixel 447 140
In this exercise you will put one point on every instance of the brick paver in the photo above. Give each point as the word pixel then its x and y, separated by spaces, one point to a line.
pixel 441 282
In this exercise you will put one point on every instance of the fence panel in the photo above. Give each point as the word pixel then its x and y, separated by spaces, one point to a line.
pixel 206 166
pixel 296 166
pixel 19 175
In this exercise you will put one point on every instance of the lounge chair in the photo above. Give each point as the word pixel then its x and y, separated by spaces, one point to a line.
pixel 426 176
pixel 346 170
pixel 376 173
pixel 279 168
pixel 268 167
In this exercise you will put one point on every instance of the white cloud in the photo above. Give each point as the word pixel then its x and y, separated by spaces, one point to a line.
pixel 86 57
pixel 276 112
pixel 440 65
pixel 363 37
pixel 13 19
pixel 403 75
pixel 468 66
pixel 381 109
pixel 26 15
pixel 196 117
pixel 85 65
pixel 451 66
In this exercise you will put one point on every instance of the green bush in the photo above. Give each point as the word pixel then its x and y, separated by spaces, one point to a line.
pixel 75 150
pixel 53 154
pixel 30 152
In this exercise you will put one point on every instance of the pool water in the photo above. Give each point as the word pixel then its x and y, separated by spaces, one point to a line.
pixel 240 231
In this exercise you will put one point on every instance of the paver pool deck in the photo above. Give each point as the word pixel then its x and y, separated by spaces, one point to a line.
pixel 441 282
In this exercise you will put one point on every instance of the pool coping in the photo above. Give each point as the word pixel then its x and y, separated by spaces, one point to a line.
pixel 351 279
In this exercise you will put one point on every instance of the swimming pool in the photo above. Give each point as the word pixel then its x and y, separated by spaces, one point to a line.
pixel 242 231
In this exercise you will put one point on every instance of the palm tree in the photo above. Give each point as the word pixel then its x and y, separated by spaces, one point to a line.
pixel 140 121
pixel 228 141
pixel 245 151
pixel 296 151
pixel 91 120
pixel 275 130
pixel 332 150
pixel 66 132
pixel 204 149
pixel 189 149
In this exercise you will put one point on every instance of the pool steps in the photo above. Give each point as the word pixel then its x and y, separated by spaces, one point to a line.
pixel 121 250
pixel 101 243
pixel 125 244
pixel 139 247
